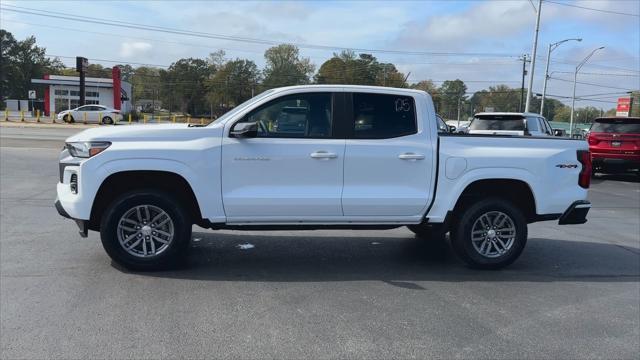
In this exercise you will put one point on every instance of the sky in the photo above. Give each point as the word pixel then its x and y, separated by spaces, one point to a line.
pixel 479 42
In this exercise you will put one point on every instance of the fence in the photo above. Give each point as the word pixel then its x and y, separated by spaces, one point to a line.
pixel 38 117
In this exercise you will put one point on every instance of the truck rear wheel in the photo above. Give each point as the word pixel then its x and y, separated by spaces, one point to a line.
pixel 491 234
pixel 145 230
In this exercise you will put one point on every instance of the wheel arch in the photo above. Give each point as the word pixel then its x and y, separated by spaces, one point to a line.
pixel 516 191
pixel 128 180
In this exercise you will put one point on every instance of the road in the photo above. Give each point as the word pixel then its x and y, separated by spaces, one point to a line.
pixel 574 293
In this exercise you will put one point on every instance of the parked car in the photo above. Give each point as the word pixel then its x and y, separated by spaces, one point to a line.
pixel 91 113
pixel 506 123
pixel 382 164
pixel 614 143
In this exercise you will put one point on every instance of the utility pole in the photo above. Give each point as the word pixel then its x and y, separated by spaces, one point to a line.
pixel 533 57
pixel 575 78
pixel 81 66
pixel 546 71
pixel 524 73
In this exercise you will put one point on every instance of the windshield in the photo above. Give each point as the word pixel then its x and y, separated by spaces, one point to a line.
pixel 497 122
pixel 239 108
pixel 624 126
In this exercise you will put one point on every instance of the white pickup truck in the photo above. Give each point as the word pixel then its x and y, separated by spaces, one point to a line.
pixel 309 157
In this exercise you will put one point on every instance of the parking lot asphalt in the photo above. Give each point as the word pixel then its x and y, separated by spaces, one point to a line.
pixel 574 293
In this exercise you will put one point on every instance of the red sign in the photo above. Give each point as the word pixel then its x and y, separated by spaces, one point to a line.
pixel 624 106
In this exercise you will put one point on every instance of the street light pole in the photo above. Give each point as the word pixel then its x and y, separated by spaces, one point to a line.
pixel 533 57
pixel 575 78
pixel 546 71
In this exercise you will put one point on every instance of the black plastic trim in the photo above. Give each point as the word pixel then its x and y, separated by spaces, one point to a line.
pixel 83 225
pixel 61 210
pixel 576 213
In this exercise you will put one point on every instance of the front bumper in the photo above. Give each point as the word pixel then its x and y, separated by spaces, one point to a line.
pixel 83 225
pixel 576 213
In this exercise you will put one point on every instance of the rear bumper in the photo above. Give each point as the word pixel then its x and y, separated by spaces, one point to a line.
pixel 615 160
pixel 576 213
pixel 83 225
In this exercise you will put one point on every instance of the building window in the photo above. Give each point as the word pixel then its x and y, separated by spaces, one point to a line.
pixel 75 103
pixel 92 94
pixel 75 93
pixel 92 102
pixel 61 92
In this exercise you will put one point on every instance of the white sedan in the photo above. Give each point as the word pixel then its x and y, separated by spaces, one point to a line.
pixel 91 113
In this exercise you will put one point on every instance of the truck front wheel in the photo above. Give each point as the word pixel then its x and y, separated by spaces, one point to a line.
pixel 145 230
pixel 491 234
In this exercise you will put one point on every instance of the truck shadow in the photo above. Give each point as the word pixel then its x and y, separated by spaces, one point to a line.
pixel 400 261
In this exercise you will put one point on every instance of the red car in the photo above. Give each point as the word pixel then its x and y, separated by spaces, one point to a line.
pixel 614 143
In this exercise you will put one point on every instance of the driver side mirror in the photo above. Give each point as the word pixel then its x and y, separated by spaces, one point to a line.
pixel 244 130
pixel 452 129
pixel 558 132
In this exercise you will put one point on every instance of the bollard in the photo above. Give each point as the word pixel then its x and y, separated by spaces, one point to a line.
pixel 6 115
pixel 84 117
pixel 201 121
pixel 174 118
pixel 99 118
pixel 188 119
pixel 129 118
pixel 144 119
pixel 53 118
pixel 22 115
pixel 38 116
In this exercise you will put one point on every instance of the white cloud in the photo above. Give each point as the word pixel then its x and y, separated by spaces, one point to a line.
pixel 134 48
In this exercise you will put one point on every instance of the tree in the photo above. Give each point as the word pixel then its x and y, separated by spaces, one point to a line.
pixel 563 114
pixel 285 67
pixel 429 87
pixel 183 85
pixel 22 61
pixel 146 83
pixel 452 94
pixel 233 83
pixel 364 69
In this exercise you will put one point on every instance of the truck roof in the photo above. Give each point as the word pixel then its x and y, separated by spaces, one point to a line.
pixel 367 88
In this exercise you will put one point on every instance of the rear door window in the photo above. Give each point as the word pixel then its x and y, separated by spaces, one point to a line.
pixel 381 116
pixel 622 126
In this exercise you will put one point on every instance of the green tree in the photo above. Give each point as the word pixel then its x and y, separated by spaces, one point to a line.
pixel 429 87
pixel 364 69
pixel 146 83
pixel 452 95
pixel 233 83
pixel 562 114
pixel 20 62
pixel 183 85
pixel 285 67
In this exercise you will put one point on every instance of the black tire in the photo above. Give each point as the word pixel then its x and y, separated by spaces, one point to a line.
pixel 171 255
pixel 429 232
pixel 107 120
pixel 68 119
pixel 461 234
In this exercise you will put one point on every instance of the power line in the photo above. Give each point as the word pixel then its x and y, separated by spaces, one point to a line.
pixel 92 20
pixel 591 84
pixel 597 74
pixel 591 9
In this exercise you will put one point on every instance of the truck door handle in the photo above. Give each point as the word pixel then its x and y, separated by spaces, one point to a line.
pixel 411 156
pixel 323 155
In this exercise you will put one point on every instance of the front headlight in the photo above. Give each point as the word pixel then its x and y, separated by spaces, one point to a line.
pixel 87 149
